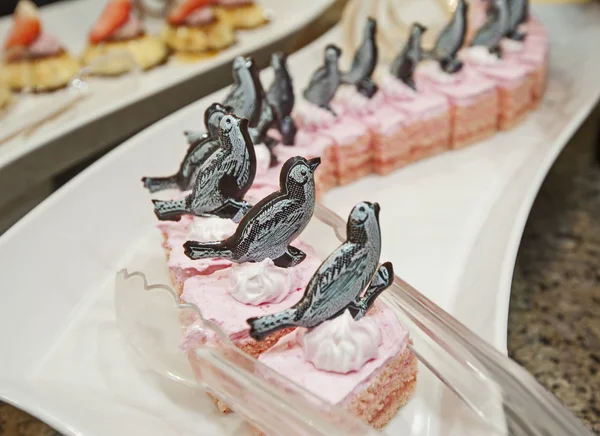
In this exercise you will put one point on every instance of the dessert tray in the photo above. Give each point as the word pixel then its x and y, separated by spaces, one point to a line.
pixel 109 96
pixel 451 225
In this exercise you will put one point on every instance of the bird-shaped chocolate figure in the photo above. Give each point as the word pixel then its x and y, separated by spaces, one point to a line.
pixel 281 96
pixel 339 282
pixel 384 277
pixel 518 13
pixel 491 33
pixel 326 80
pixel 269 228
pixel 364 62
pixel 405 64
pixel 451 40
pixel 243 96
pixel 223 179
pixel 201 146
pixel 266 120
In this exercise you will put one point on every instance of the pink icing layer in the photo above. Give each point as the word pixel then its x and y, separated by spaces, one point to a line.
pixel 346 131
pixel 417 105
pixel 210 293
pixel 200 16
pixel 45 45
pixel 182 266
pixel 287 358
pixel 311 117
pixel 130 29
pixel 505 72
pixel 387 120
pixel 349 102
pixel 463 87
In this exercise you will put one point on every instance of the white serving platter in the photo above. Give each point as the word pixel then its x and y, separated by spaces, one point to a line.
pixel 451 225
pixel 118 107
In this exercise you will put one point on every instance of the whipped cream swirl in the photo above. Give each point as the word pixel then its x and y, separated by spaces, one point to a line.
pixel 342 345
pixel 260 282
pixel 480 55
pixel 208 229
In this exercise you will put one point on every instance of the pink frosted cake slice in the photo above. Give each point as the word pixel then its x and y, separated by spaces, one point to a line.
pixel 362 366
pixel 472 97
pixel 311 144
pixel 513 79
pixel 230 296
pixel 532 53
pixel 350 140
pixel 427 125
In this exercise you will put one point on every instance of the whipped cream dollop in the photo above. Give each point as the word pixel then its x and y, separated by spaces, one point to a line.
pixel 200 16
pixel 480 55
pixel 260 282
pixel 208 229
pixel 45 45
pixel 263 159
pixel 512 46
pixel 342 344
pixel 130 29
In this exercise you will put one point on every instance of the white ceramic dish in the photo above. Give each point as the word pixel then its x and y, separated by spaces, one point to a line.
pixel 452 225
pixel 71 22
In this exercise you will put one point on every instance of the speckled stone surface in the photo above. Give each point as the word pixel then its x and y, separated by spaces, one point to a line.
pixel 554 318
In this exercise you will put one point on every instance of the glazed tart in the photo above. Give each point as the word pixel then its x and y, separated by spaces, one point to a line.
pixel 34 59
pixel 119 30
pixel 194 27
pixel 242 14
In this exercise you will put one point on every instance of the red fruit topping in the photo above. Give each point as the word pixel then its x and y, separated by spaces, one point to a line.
pixel 26 26
pixel 182 10
pixel 115 14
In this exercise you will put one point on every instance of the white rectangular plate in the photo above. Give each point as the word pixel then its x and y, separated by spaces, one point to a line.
pixel 451 226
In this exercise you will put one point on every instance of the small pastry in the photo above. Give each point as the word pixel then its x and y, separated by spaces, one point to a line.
pixel 5 99
pixel 473 98
pixel 347 348
pixel 33 58
pixel 242 14
pixel 194 27
pixel 119 30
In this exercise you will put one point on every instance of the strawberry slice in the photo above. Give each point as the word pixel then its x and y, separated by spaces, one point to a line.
pixel 185 8
pixel 26 26
pixel 115 14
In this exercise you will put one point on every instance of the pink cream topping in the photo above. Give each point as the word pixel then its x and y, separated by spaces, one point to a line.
pixel 211 293
pixel 288 358
pixel 200 16
pixel 130 29
pixel 311 117
pixel 342 344
pixel 45 45
pixel 348 101
pixel 416 104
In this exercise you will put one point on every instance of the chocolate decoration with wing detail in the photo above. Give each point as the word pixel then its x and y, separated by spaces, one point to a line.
pixel 406 62
pixel 244 95
pixel 451 40
pixel 491 33
pixel 267 119
pixel 518 12
pixel 202 145
pixel 326 80
pixel 281 96
pixel 223 179
pixel 269 228
pixel 340 280
pixel 364 62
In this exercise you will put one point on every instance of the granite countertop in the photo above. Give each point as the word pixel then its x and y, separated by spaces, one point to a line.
pixel 554 317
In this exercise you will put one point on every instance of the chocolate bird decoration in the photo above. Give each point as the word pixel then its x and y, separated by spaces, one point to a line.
pixel 269 228
pixel 364 63
pixel 338 284
pixel 281 96
pixel 326 80
pixel 405 64
pixel 223 179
